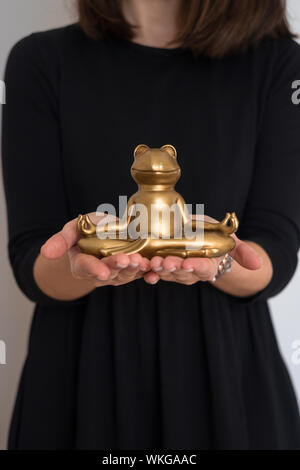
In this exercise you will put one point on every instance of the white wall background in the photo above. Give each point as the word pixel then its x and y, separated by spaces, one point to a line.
pixel 17 19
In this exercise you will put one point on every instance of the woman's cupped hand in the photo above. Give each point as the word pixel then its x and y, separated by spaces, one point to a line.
pixel 113 270
pixel 122 268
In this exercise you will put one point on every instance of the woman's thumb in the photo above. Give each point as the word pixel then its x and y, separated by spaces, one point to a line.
pixel 61 242
pixel 245 255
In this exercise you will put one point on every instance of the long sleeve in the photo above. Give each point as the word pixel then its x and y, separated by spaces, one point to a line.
pixel 272 216
pixel 31 150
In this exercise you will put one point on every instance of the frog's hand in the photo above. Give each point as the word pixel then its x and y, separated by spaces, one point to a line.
pixel 127 247
pixel 233 224
pixel 222 226
pixel 86 226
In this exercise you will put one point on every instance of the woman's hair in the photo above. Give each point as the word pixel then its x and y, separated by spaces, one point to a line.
pixel 214 28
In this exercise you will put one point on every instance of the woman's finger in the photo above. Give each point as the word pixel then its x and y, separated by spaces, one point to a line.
pixel 126 268
pixel 117 262
pixel 84 266
pixel 245 255
pixel 58 244
pixel 135 261
pixel 203 268
pixel 163 268
pixel 151 277
pixel 145 265
pixel 184 277
pixel 171 264
pixel 156 263
pixel 130 272
pixel 62 241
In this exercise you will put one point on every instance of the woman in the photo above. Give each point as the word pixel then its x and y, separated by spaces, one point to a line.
pixel 114 362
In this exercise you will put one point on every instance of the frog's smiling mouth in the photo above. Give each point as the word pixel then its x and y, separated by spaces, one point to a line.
pixel 155 172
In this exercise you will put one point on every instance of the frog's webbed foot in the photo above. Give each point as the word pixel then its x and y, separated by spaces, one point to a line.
pixel 204 253
pixel 164 252
pixel 188 253
pixel 86 226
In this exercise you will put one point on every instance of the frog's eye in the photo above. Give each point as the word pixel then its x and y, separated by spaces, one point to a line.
pixel 139 150
pixel 170 149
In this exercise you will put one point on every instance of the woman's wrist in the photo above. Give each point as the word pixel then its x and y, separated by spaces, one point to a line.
pixel 54 278
pixel 242 282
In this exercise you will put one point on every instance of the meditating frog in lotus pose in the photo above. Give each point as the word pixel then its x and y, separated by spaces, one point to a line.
pixel 164 224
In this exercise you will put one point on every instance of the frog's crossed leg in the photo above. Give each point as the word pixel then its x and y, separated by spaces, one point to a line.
pixel 128 247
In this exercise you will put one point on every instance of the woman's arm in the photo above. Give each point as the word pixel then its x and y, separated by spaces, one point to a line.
pixel 31 151
pixel 243 282
pixel 37 203
pixel 271 218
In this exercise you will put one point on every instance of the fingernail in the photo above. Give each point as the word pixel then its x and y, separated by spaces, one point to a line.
pixel 190 270
pixel 154 282
pixel 104 278
pixel 121 266
pixel 133 265
pixel 159 268
pixel 171 270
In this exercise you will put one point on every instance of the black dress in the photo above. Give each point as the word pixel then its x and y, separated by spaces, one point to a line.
pixel 140 366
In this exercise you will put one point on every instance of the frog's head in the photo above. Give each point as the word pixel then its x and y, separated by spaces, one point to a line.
pixel 155 166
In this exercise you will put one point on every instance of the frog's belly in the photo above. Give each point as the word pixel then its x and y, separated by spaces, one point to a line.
pixel 157 223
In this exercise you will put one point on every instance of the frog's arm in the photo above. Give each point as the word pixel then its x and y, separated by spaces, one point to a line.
pixel 223 225
pixel 233 224
pixel 209 226
pixel 87 228
pixel 186 218
pixel 119 225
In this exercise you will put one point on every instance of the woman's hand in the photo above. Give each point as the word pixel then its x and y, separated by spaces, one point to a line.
pixel 250 273
pixel 113 270
pixel 191 270
pixel 62 272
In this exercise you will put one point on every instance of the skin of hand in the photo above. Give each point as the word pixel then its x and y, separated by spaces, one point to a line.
pixel 63 272
pixel 191 270
pixel 60 253
pixel 251 269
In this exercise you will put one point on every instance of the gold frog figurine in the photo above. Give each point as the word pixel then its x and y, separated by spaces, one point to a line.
pixel 156 171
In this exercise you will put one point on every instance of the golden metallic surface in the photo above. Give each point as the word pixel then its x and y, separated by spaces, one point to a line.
pixel 156 171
